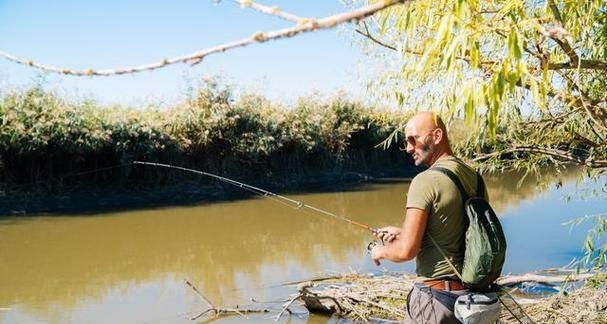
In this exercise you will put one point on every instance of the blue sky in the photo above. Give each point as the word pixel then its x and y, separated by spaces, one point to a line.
pixel 109 34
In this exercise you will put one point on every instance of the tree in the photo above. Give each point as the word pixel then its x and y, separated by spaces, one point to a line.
pixel 527 77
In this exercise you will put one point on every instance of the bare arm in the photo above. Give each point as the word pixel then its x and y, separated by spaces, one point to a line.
pixel 407 244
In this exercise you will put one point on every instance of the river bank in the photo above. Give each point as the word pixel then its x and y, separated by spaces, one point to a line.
pixel 59 155
pixel 582 298
pixel 54 197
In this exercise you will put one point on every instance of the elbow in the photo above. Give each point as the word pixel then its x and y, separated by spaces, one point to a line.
pixel 407 253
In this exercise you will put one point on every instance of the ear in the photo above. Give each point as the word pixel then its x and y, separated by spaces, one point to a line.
pixel 439 136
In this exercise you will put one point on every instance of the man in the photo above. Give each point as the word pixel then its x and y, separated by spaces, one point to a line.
pixel 434 209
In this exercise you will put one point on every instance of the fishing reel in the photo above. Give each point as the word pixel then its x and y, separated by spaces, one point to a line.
pixel 376 242
pixel 373 244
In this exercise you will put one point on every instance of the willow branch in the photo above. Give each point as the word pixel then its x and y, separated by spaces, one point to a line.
pixel 553 119
pixel 581 64
pixel 596 113
pixel 272 11
pixel 560 154
pixel 303 26
pixel 367 34
pixel 559 34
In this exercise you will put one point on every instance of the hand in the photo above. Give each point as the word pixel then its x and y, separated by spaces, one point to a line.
pixel 387 234
pixel 376 254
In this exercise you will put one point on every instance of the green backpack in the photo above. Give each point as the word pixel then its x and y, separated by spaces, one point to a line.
pixel 485 241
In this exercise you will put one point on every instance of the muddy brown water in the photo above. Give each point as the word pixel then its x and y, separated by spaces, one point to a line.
pixel 129 267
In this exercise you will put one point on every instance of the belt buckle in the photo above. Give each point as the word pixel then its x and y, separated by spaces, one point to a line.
pixel 447 285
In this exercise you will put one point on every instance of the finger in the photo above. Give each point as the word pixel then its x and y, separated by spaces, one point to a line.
pixel 382 234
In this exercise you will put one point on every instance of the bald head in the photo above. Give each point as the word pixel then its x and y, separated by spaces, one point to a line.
pixel 426 121
pixel 426 137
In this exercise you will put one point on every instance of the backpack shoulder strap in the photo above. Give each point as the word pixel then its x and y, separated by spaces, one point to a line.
pixel 455 180
pixel 480 187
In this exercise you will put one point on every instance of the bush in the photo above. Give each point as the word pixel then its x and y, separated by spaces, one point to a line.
pixel 43 136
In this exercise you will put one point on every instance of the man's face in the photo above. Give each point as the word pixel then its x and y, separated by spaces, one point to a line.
pixel 420 146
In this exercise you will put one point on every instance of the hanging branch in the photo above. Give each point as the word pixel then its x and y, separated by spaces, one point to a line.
pixel 303 26
pixel 367 34
pixel 560 154
pixel 466 58
pixel 582 64
pixel 560 35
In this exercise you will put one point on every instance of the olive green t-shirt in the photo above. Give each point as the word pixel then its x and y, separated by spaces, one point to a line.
pixel 435 193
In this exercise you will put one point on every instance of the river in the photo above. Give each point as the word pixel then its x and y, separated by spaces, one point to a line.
pixel 129 267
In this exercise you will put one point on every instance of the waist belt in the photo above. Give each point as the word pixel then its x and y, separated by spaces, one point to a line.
pixel 444 284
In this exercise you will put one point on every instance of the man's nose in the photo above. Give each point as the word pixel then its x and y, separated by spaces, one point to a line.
pixel 410 148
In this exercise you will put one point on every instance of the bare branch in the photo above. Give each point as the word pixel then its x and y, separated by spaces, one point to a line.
pixel 272 11
pixel 530 277
pixel 204 299
pixel 303 26
pixel 285 307
pixel 221 311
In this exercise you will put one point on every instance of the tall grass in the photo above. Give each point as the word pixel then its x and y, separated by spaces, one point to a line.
pixel 43 136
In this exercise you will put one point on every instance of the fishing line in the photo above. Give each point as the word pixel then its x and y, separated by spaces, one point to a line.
pixel 297 204
pixel 77 174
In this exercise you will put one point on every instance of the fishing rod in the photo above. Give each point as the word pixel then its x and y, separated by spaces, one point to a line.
pixel 288 201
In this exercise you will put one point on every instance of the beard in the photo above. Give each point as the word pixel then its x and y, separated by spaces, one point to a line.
pixel 424 153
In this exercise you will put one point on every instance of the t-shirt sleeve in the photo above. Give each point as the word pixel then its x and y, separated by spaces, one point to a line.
pixel 421 192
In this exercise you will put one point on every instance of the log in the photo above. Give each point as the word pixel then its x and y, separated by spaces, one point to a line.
pixel 530 277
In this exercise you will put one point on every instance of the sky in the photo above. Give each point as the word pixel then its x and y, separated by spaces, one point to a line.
pixel 111 34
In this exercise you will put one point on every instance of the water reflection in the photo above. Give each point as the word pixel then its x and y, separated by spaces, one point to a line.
pixel 130 266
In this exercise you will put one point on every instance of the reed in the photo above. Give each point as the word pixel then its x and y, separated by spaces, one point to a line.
pixel 43 136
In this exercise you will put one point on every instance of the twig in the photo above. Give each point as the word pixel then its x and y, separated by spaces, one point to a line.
pixel 203 313
pixel 221 311
pixel 286 306
pixel 353 308
pixel 303 26
pixel 318 279
pixel 272 11
pixel 367 34
pixel 380 306
pixel 206 300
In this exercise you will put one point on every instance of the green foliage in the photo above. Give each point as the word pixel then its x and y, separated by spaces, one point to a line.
pixel 42 135
pixel 526 78
pixel 505 67
pixel 598 281
pixel 595 247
